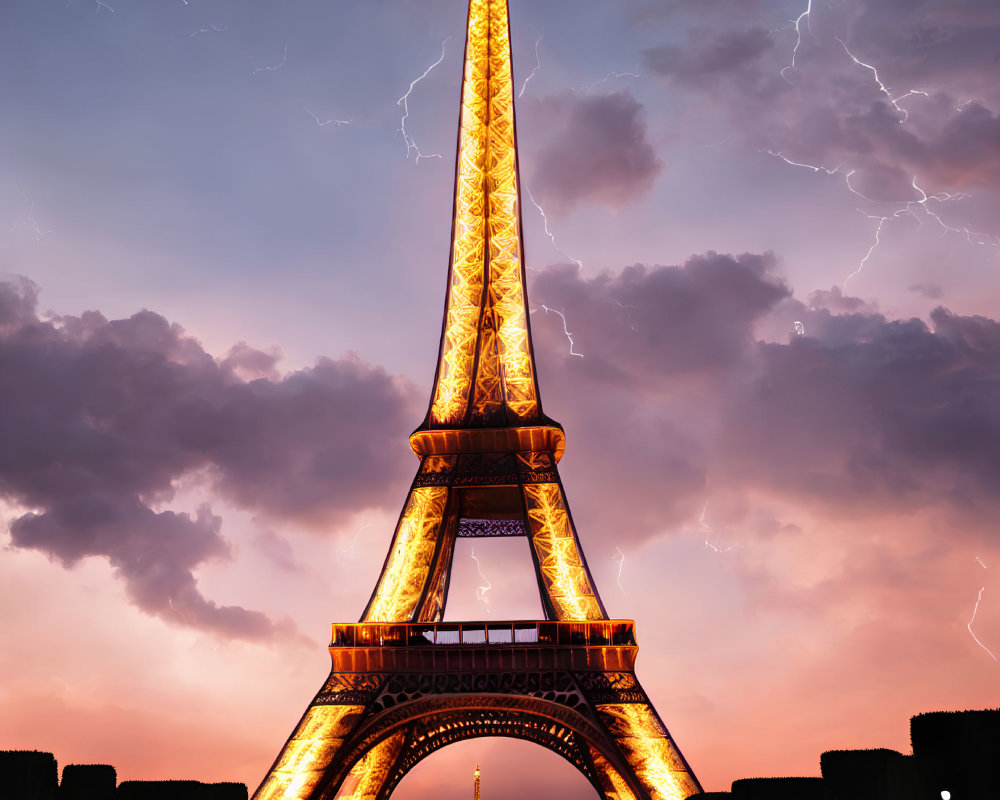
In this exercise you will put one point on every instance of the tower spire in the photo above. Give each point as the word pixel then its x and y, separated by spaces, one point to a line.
pixel 475 789
pixel 486 373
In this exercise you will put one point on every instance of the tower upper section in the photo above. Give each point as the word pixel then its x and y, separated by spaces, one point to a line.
pixel 486 373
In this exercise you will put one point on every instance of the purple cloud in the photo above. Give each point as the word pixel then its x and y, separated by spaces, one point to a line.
pixel 708 56
pixel 594 149
pixel 862 416
pixel 99 418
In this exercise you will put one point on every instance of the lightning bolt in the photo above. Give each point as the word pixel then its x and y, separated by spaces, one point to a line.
pixel 813 167
pixel 969 626
pixel 807 16
pixel 284 58
pixel 610 76
pixel 973 619
pixel 538 65
pixel 800 329
pixel 481 590
pixel 548 232
pixel 708 533
pixel 343 551
pixel 209 29
pixel 324 122
pixel 569 335
pixel 101 5
pixel 871 249
pixel 908 209
pixel 28 220
pixel 628 316
pixel 903 208
pixel 411 145
pixel 894 101
pixel 621 565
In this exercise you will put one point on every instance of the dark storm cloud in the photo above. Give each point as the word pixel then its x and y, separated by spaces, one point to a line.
pixel 593 149
pixel 874 415
pixel 99 418
pixel 663 12
pixel 708 55
pixel 649 337
pixel 936 115
pixel 861 416
pixel 664 320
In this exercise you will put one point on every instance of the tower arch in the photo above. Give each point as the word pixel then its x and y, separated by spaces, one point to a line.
pixel 399 738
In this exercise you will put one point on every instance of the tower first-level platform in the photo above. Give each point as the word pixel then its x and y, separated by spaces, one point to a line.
pixel 405 683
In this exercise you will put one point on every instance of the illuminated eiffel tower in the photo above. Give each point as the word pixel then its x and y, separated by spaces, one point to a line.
pixel 404 683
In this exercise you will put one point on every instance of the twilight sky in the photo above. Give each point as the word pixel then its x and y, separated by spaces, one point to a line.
pixel 222 267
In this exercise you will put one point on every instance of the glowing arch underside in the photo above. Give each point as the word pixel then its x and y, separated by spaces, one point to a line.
pixel 379 771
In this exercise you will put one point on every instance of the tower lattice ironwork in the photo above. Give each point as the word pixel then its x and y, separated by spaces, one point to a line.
pixel 404 683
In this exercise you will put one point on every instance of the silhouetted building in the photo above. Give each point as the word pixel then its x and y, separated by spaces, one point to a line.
pixel 88 782
pixel 180 790
pixel 869 775
pixel 958 752
pixel 28 775
pixel 32 775
pixel 778 789
pixel 956 756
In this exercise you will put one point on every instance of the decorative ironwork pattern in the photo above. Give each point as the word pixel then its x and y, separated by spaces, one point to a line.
pixel 534 467
pixel 469 528
pixel 556 687
pixel 349 689
pixel 611 687
pixel 563 572
pixel 406 569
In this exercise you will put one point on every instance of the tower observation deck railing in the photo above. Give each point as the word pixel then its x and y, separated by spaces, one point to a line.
pixel 418 646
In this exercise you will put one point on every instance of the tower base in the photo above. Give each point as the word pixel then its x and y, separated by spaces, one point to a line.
pixel 400 691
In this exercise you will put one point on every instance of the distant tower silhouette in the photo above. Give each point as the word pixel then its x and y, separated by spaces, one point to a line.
pixel 404 683
pixel 475 790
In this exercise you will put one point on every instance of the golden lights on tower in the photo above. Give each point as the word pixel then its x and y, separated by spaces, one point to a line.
pixel 563 572
pixel 485 356
pixel 309 752
pixel 649 751
pixel 412 551
pixel 369 773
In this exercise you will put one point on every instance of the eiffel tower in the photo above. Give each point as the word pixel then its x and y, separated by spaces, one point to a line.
pixel 404 683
